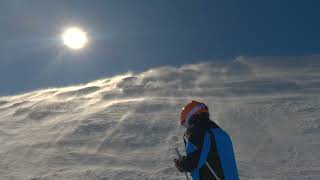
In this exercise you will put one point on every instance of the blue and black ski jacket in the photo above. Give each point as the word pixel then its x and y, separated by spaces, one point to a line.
pixel 208 149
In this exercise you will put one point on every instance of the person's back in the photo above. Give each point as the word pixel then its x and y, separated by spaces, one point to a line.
pixel 209 149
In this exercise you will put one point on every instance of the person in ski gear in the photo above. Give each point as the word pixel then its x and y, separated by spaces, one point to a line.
pixel 209 151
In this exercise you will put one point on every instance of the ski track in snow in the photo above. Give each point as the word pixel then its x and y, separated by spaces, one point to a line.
pixel 125 127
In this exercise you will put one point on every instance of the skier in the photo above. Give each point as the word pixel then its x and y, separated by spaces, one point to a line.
pixel 209 149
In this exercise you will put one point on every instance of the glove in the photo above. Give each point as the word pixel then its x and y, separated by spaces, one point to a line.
pixel 178 165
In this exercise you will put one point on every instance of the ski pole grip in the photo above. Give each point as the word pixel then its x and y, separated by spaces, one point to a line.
pixel 179 155
pixel 177 152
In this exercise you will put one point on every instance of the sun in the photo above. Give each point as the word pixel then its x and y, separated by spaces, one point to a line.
pixel 74 38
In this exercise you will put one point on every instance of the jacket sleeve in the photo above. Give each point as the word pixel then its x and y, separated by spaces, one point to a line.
pixel 194 140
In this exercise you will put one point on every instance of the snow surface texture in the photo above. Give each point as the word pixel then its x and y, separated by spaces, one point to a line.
pixel 125 127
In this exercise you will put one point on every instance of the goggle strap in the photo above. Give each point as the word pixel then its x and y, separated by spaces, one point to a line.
pixel 193 111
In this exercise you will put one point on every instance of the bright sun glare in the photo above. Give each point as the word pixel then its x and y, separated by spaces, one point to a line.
pixel 74 38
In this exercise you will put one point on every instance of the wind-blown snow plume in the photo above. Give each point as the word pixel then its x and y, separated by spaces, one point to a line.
pixel 125 127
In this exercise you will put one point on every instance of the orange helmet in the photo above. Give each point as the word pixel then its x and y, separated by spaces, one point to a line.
pixel 191 109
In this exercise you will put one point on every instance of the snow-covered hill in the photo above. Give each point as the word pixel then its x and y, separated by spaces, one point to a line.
pixel 125 127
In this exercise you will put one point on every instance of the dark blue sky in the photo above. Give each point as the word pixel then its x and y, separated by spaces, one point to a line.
pixel 141 34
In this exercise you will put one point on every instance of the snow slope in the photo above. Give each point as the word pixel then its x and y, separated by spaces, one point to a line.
pixel 125 127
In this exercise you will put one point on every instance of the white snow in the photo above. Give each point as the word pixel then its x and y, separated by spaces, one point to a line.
pixel 126 127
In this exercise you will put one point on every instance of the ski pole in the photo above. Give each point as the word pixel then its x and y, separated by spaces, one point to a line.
pixel 179 155
pixel 212 171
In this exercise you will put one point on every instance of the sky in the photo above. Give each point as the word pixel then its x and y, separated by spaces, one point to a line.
pixel 139 35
